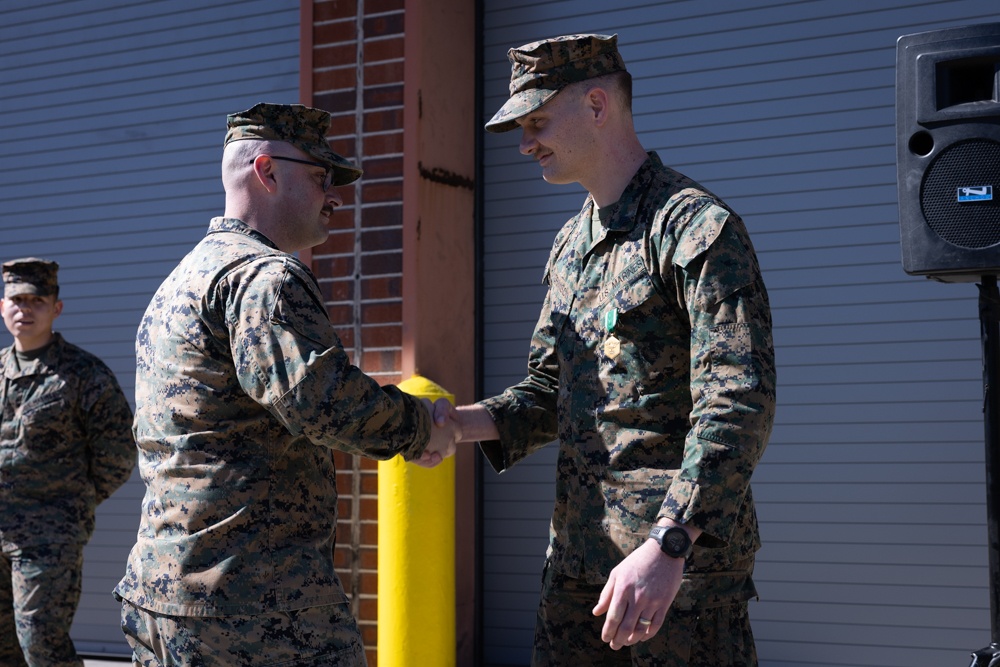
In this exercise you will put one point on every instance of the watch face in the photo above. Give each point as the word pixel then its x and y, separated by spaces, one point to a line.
pixel 676 541
pixel 673 541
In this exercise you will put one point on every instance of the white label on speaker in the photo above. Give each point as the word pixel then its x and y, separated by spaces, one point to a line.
pixel 976 193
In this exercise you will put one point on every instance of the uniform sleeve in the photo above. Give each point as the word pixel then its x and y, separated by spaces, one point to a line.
pixel 289 360
pixel 732 373
pixel 525 414
pixel 111 451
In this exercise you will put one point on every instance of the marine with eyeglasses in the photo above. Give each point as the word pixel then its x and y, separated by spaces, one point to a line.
pixel 243 392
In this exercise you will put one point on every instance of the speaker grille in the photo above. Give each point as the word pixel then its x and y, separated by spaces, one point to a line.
pixel 966 164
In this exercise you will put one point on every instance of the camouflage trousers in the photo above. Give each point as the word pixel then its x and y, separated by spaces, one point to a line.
pixel 39 593
pixel 325 636
pixel 567 634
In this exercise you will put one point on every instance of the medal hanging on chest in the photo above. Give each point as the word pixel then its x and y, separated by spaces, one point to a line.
pixel 612 346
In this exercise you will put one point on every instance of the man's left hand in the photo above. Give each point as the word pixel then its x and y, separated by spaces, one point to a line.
pixel 641 588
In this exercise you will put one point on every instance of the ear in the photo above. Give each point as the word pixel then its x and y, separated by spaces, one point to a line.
pixel 263 169
pixel 57 308
pixel 598 105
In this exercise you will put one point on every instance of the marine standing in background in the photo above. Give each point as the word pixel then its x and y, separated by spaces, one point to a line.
pixel 652 365
pixel 65 446
pixel 243 391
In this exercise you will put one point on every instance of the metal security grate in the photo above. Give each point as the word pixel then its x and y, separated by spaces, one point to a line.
pixel 975 164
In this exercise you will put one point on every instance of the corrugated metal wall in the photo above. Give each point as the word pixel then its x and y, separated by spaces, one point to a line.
pixel 113 121
pixel 872 492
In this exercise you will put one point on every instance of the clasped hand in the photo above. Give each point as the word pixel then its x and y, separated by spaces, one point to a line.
pixel 446 432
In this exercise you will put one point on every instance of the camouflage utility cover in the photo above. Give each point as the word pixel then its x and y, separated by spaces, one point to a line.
pixel 243 390
pixel 674 424
pixel 541 69
pixel 301 126
pixel 30 275
pixel 65 444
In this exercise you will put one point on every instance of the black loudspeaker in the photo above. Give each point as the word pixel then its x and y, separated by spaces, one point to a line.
pixel 948 152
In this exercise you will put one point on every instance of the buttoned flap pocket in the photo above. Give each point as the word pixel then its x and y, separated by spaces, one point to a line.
pixel 560 296
pixel 699 234
pixel 555 329
pixel 46 420
pixel 43 409
pixel 632 309
pixel 646 333
pixel 628 288
pixel 718 258
pixel 632 499
pixel 296 304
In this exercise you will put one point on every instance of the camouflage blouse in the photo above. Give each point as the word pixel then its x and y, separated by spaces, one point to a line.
pixel 242 392
pixel 652 364
pixel 65 444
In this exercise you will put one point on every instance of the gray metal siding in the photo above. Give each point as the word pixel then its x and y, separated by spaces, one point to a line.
pixel 871 494
pixel 114 116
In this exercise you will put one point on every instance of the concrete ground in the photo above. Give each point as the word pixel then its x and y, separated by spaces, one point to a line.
pixel 104 662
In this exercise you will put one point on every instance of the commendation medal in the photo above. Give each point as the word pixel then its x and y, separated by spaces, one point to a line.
pixel 612 346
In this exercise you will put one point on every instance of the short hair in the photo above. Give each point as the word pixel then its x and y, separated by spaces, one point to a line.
pixel 619 83
pixel 622 82
pixel 237 157
pixel 242 152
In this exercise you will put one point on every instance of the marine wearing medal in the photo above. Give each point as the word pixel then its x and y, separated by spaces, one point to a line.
pixel 652 364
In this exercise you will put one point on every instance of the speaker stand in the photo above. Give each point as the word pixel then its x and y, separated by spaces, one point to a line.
pixel 989 318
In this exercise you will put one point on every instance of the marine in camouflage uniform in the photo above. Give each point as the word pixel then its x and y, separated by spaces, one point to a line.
pixel 65 446
pixel 652 365
pixel 243 391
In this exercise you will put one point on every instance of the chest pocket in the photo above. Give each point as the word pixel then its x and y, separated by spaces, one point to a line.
pixel 629 289
pixel 561 273
pixel 43 409
pixel 642 326
pixel 47 429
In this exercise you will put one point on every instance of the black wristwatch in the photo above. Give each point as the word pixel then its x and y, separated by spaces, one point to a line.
pixel 673 541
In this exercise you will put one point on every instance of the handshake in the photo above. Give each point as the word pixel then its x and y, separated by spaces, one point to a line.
pixel 446 432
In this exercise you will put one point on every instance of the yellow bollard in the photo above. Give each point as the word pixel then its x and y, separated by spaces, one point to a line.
pixel 416 555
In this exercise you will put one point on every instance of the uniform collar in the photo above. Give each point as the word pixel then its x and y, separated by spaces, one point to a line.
pixel 14 368
pixel 237 226
pixel 623 214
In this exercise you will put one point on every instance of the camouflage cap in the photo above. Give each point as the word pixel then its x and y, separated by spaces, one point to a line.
pixel 302 126
pixel 541 69
pixel 30 276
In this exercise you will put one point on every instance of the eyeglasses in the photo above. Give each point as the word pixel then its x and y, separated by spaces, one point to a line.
pixel 329 172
